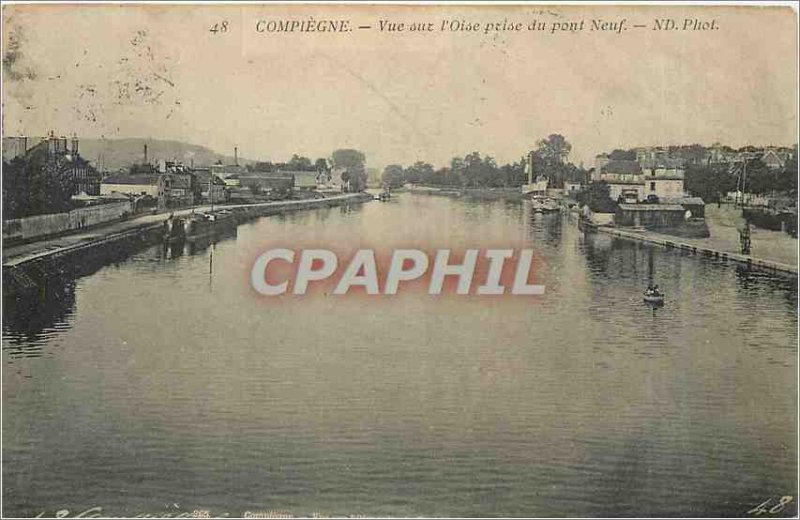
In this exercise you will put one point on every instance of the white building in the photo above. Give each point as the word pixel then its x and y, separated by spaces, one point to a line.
pixel 663 178
pixel 130 184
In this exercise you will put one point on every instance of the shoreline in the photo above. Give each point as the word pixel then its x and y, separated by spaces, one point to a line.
pixel 469 193
pixel 144 227
pixel 679 243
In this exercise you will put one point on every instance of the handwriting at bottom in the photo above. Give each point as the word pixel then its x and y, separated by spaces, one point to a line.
pixel 769 506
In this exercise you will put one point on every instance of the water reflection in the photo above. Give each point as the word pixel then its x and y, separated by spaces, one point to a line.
pixel 169 379
pixel 29 316
pixel 39 301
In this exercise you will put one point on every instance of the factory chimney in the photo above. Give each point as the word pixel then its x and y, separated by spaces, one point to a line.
pixel 236 156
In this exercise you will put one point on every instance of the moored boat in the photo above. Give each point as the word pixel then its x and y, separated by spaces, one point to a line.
pixel 198 225
pixel 654 296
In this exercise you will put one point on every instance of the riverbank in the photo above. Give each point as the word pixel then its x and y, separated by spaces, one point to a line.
pixel 469 193
pixel 771 250
pixel 18 256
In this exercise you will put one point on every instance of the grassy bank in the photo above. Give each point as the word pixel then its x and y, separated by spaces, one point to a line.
pixel 469 193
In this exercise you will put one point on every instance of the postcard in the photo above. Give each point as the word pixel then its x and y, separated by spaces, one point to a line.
pixel 278 260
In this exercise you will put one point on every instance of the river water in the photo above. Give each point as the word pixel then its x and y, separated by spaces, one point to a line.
pixel 164 384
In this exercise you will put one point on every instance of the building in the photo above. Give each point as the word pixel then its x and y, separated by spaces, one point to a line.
pixel 773 159
pixel 663 177
pixel 651 154
pixel 673 219
pixel 61 159
pixel 306 180
pixel 695 205
pixel 177 188
pixel 537 188
pixel 14 147
pixel 224 171
pixel 130 184
pixel 624 178
pixel 717 154
pixel 204 178
pixel 267 181
pixel 572 188
pixel 650 216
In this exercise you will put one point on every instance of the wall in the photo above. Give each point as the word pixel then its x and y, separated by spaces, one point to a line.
pixel 131 189
pixel 651 219
pixel 38 226
pixel 664 187
pixel 615 190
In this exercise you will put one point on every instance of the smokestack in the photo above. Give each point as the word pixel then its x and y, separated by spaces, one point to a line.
pixel 236 156
pixel 145 154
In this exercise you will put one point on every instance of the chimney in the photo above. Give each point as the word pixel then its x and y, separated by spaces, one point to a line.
pixel 236 156
pixel 145 154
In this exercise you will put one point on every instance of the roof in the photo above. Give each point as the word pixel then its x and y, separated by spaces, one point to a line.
pixel 265 175
pixel 305 179
pixel 299 172
pixel 651 207
pixel 663 162
pixel 616 181
pixel 695 201
pixel 270 178
pixel 622 166
pixel 772 153
pixel 203 177
pixel 179 180
pixel 126 178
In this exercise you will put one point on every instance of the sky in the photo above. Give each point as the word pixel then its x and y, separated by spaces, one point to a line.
pixel 157 71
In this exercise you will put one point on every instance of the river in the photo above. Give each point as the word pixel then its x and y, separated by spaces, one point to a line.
pixel 164 384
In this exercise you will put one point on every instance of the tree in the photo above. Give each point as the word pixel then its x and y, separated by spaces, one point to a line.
pixel 622 155
pixel 36 185
pixel 352 161
pixel 321 165
pixel 787 180
pixel 760 179
pixel 261 167
pixel 554 150
pixel 348 158
pixel 709 182
pixel 598 198
pixel 298 163
pixel 393 176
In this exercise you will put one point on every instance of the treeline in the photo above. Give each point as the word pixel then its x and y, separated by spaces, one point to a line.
pixel 482 171
pixel 712 182
pixel 352 164
pixel 296 163
pixel 35 186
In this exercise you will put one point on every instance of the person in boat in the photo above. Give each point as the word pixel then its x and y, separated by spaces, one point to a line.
pixel 652 290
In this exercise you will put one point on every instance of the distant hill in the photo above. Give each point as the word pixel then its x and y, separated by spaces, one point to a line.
pixel 113 154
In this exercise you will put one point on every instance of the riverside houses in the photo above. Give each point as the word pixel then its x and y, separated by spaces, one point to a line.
pixel 624 178
pixel 663 177
pixel 218 191
pixel 130 184
pixel 176 189
pixel 59 158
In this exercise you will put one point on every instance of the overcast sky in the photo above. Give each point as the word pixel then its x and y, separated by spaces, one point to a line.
pixel 157 71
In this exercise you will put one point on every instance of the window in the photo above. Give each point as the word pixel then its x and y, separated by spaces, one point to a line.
pixel 652 186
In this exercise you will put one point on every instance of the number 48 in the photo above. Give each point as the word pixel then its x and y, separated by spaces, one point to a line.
pixel 221 27
pixel 761 508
